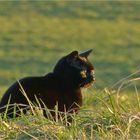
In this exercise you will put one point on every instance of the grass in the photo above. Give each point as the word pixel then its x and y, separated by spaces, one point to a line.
pixel 39 33
pixel 108 114
pixel 34 35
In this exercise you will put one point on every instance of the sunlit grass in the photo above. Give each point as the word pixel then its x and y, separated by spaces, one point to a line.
pixel 103 115
pixel 34 35
pixel 37 42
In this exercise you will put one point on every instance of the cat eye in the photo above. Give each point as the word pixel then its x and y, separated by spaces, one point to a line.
pixel 83 73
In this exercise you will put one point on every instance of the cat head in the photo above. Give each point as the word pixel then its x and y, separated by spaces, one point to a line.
pixel 76 69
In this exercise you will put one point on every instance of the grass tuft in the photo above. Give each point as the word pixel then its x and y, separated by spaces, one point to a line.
pixel 113 117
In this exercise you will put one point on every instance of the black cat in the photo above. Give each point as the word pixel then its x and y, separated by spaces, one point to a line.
pixel 61 87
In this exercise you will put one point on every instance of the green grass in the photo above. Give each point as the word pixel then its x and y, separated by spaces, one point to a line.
pixel 34 35
pixel 111 115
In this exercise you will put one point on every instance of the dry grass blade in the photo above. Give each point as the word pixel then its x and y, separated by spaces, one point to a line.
pixel 24 93
pixel 125 83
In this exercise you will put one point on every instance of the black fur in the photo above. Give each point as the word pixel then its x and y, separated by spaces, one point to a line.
pixel 62 87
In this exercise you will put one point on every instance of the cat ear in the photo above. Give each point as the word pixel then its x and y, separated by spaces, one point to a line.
pixel 86 54
pixel 72 56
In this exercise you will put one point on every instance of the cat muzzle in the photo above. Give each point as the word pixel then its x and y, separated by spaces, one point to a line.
pixel 91 75
pixel 88 79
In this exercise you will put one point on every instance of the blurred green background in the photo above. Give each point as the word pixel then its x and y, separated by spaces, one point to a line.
pixel 34 35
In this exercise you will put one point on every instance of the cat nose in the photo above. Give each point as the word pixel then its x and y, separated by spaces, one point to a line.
pixel 93 78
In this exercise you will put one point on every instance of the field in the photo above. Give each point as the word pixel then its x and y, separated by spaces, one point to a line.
pixel 34 35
